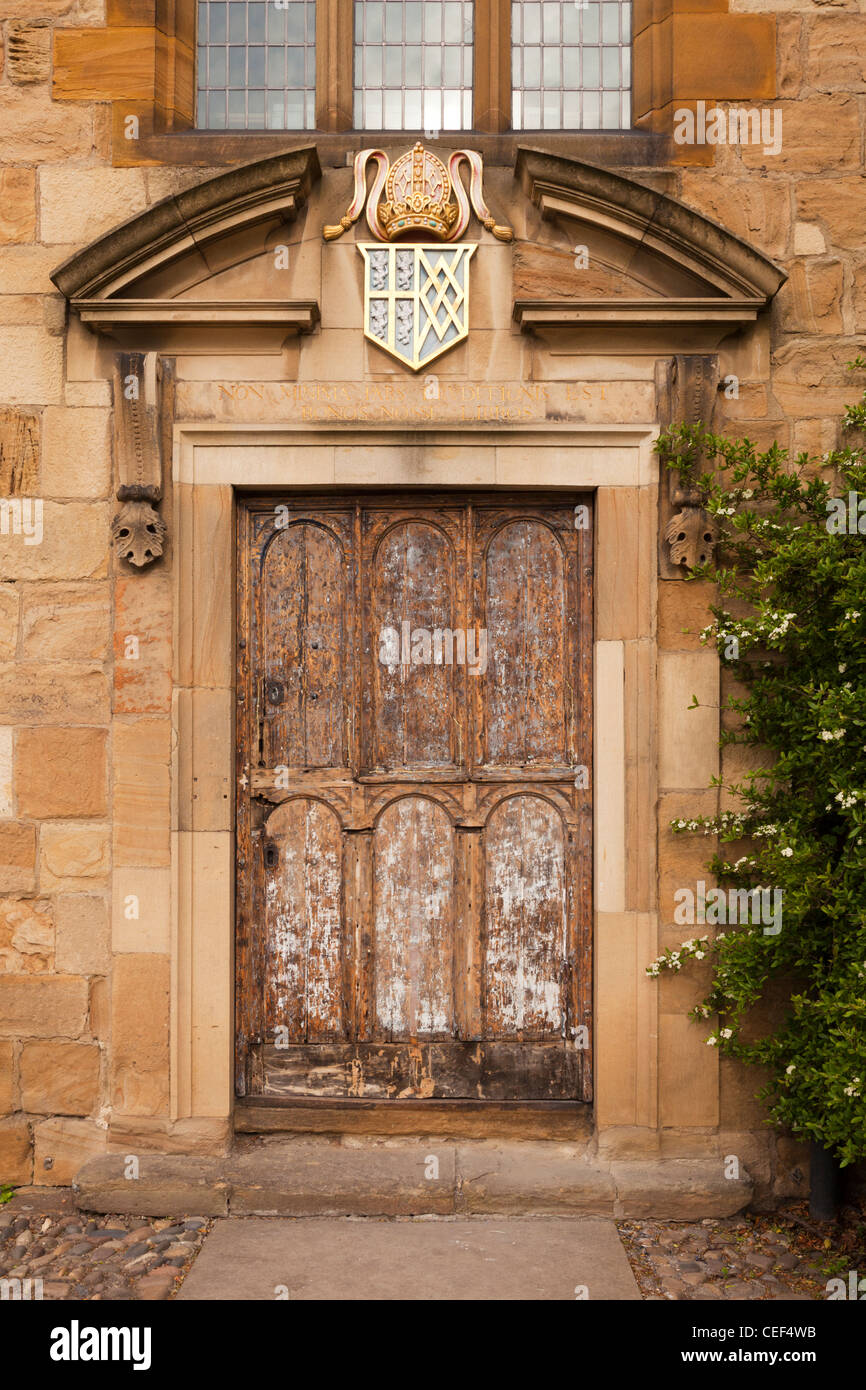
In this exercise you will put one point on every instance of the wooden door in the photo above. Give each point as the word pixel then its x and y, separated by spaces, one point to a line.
pixel 414 815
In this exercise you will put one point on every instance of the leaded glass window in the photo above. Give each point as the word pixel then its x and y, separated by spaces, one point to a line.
pixel 571 64
pixel 413 65
pixel 256 64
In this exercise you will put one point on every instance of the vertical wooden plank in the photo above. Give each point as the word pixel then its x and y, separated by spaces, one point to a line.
pixel 413 594
pixel 324 646
pixel 304 921
pixel 413 889
pixel 525 934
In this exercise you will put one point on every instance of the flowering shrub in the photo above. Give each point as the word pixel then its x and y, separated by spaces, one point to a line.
pixel 791 625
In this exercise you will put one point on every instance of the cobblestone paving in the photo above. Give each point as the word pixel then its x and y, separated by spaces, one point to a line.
pixel 80 1256
pixel 776 1256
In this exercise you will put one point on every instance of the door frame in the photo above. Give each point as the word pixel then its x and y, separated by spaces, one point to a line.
pixel 211 462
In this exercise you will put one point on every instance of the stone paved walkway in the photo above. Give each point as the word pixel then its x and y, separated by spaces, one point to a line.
pixel 781 1256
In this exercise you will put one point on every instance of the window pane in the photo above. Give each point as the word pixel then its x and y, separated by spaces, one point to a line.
pixel 256 67
pixel 558 64
pixel 295 24
pixel 237 22
pixel 256 22
pixel 424 80
pixel 235 66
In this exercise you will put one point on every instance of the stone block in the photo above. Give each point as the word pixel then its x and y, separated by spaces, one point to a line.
pixel 811 299
pixel 835 59
pixel 6 766
pixel 36 128
pixel 838 203
pixel 31 366
pixel 140 1034
pixel 818 133
pixel 17 858
pixel 76 454
pixel 62 1147
pixel 164 1186
pixel 531 1178
pixel 74 544
pixel 82 934
pixel 684 611
pixel 74 857
pixel 19 454
pixel 688 735
pixel 54 1006
pixel 59 1078
pixel 17 205
pixel 141 793
pixel 204 759
pixel 16 1152
pixel 143 643
pixel 28 51
pixel 678 1190
pixel 141 910
pixel 61 773
pixel 104 65
pixel 80 204
pixel 8 1097
pixel 66 622
pixel 26 935
pixel 10 606
pixel 688 1073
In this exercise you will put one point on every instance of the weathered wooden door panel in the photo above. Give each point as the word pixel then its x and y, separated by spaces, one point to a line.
pixel 526 937
pixel 304 923
pixel 413 921
pixel 412 592
pixel 304 649
pixel 414 846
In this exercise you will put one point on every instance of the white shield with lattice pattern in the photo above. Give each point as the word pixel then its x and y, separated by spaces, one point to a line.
pixel 416 298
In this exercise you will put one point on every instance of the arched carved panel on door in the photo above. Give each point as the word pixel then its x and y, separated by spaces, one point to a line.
pixel 413 683
pixel 304 914
pixel 526 945
pixel 413 928
pixel 524 601
pixel 304 640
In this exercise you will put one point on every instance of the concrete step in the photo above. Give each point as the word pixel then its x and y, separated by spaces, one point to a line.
pixel 354 1176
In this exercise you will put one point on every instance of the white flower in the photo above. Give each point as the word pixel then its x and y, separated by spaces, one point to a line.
pixel 790 1069
pixel 843 666
pixel 828 735
pixel 787 852
pixel 699 955
pixel 712 1042
pixel 727 1033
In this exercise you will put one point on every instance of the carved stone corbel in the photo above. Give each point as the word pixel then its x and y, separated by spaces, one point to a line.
pixel 137 529
pixel 686 395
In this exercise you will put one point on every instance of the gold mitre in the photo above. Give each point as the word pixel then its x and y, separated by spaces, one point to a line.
pixel 417 196
pixel 418 191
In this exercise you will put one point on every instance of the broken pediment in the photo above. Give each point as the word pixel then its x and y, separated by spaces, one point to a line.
pixel 137 283
pixel 627 265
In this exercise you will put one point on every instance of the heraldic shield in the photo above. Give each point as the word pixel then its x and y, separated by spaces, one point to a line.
pixel 416 298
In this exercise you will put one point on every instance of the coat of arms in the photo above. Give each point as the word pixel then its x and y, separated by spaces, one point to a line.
pixel 416 291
